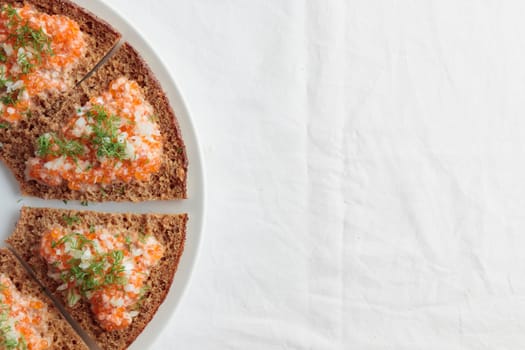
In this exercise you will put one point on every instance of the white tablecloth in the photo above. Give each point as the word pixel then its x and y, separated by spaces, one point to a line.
pixel 365 168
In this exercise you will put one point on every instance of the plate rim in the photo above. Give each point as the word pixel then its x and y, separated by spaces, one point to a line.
pixel 196 168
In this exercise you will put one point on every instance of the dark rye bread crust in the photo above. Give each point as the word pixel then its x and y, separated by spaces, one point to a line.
pixel 168 183
pixel 170 231
pixel 64 337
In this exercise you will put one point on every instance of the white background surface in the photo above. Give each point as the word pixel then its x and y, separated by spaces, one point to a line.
pixel 365 171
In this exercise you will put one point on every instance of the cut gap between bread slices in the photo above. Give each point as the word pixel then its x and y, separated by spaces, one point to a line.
pixel 89 342
pixel 154 206
pixel 149 207
pixel 38 75
pixel 27 286
pixel 103 61
pixel 169 230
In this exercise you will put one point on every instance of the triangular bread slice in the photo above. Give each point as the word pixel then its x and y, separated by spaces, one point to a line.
pixel 60 333
pixel 100 38
pixel 168 183
pixel 169 230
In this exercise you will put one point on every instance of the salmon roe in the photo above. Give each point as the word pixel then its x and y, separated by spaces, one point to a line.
pixel 37 53
pixel 23 319
pixel 108 269
pixel 113 138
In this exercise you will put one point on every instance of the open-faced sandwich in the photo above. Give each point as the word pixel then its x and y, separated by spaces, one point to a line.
pixel 28 318
pixel 111 271
pixel 114 139
pixel 72 127
pixel 46 47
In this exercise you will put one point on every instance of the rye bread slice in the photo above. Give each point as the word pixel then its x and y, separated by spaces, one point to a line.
pixel 169 230
pixel 167 184
pixel 63 335
pixel 100 39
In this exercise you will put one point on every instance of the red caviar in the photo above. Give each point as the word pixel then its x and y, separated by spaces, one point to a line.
pixel 22 318
pixel 109 269
pixel 113 138
pixel 37 53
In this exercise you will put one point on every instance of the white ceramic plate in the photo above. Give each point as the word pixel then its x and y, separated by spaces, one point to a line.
pixel 11 199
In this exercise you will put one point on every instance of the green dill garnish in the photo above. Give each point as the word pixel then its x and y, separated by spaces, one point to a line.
pixel 26 36
pixel 11 343
pixel 7 341
pixel 84 203
pixel 62 240
pixel 105 134
pixel 94 276
pixel 81 241
pixel 23 344
pixel 114 275
pixel 72 297
pixel 8 99
pixel 12 15
pixel 43 145
pixel 3 78
pixel 64 201
pixel 10 11
pixel 64 277
pixel 70 220
pixel 76 240
pixel 28 44
pixel 97 266
pixel 4 126
pixel 70 148
pixel 24 63
pixel 3 55
pixel 75 270
pixel 117 256
pixel 105 140
pixel 50 144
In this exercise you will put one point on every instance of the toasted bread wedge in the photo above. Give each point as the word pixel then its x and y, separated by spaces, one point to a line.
pixel 99 39
pixel 167 182
pixel 168 230
pixel 59 333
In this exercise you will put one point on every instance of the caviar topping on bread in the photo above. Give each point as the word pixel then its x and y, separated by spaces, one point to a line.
pixel 111 271
pixel 28 319
pixel 108 268
pixel 115 138
pixel 23 318
pixel 37 54
pixel 46 47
